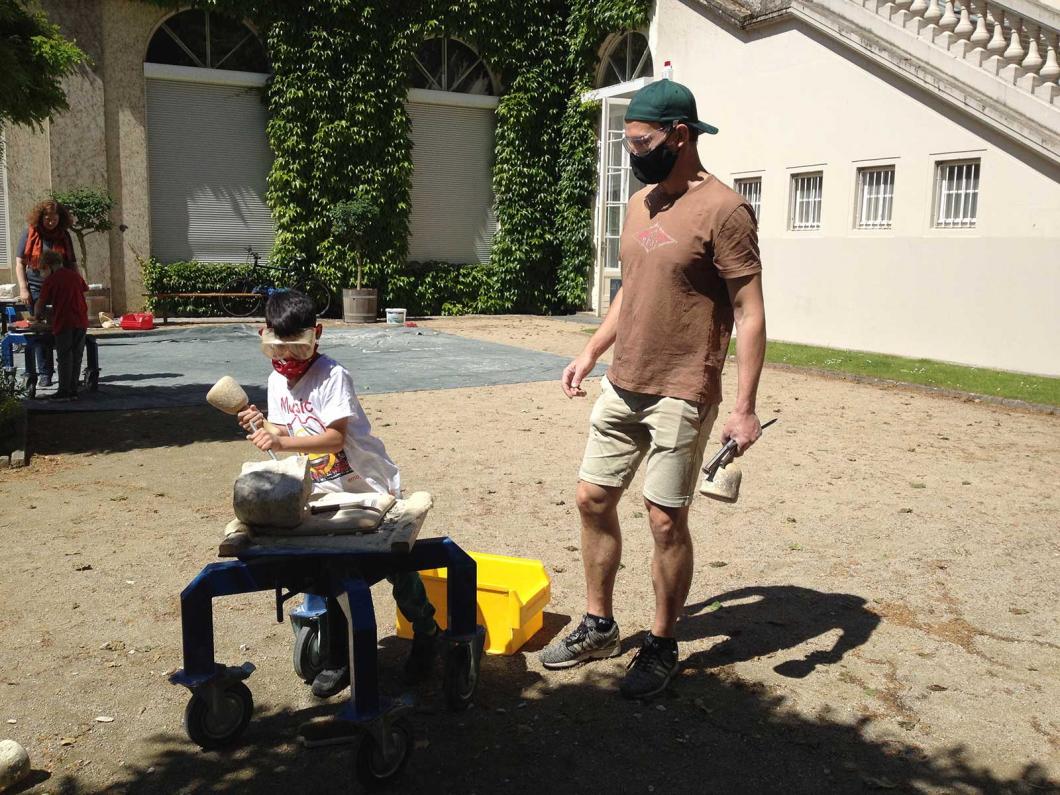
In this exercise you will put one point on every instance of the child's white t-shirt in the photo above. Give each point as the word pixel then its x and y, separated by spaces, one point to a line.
pixel 320 397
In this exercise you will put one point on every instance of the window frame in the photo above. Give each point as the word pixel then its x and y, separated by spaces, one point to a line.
pixel 756 205
pixel 880 224
pixel 607 67
pixel 938 194
pixel 794 200
pixel 5 216
pixel 446 85
pixel 163 29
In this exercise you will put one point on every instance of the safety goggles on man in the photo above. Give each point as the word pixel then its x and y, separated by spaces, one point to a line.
pixel 298 347
pixel 642 144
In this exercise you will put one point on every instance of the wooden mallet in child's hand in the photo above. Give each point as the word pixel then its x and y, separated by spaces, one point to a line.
pixel 228 396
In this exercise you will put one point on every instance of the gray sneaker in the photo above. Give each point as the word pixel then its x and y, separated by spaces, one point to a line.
pixel 584 643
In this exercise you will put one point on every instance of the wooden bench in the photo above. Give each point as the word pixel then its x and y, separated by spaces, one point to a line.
pixel 164 306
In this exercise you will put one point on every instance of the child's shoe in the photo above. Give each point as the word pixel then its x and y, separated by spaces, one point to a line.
pixel 331 681
pixel 421 658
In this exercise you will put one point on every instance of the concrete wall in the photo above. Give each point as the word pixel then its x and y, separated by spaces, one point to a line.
pixel 787 97
pixel 99 142
pixel 28 179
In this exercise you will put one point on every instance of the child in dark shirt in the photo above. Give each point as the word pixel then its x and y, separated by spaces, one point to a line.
pixel 64 290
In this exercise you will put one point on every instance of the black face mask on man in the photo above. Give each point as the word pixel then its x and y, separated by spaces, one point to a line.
pixel 654 166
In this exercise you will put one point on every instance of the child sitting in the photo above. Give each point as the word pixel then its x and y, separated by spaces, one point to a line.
pixel 315 409
pixel 65 290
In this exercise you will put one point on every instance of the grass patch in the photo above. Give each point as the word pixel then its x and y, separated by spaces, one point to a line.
pixel 977 380
pixel 996 383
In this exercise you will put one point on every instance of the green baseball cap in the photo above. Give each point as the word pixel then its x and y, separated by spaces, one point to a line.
pixel 665 101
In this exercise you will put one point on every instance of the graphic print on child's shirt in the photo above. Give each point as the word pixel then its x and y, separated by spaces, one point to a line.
pixel 303 422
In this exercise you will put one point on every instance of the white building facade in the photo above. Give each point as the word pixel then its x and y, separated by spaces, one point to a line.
pixel 905 170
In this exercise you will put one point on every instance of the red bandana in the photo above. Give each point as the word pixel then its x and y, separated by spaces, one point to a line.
pixel 293 369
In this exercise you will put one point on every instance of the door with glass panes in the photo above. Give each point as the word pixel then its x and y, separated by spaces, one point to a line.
pixel 617 184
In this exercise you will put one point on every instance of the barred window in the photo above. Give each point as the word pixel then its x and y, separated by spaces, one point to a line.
pixel 751 190
pixel 956 193
pixel 875 197
pixel 805 210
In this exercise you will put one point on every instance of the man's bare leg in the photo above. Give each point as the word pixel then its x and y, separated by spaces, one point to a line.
pixel 601 544
pixel 671 565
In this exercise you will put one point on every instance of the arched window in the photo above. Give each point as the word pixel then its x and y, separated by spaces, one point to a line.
pixel 208 41
pixel 627 59
pixel 450 65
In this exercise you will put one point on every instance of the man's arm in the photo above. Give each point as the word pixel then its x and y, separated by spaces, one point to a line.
pixel 598 344
pixel 749 313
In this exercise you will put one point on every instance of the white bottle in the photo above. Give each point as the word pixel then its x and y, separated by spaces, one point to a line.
pixel 667 72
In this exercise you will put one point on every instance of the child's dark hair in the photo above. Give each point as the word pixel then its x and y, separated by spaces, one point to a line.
pixel 288 311
pixel 53 259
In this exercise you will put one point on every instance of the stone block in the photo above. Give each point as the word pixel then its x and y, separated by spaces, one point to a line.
pixel 1029 81
pixel 1010 73
pixel 1049 92
pixel 273 493
pixel 945 40
pixel 994 64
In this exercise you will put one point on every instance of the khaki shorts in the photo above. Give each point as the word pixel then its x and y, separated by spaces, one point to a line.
pixel 626 426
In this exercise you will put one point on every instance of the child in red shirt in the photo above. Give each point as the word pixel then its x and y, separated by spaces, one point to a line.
pixel 65 290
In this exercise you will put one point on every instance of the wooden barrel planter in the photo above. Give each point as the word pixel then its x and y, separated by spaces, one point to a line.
pixel 360 306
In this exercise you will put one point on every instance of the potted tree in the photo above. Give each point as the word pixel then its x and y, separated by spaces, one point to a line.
pixel 352 224
pixel 90 208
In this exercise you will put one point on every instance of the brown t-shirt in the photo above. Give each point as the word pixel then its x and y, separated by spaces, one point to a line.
pixel 676 316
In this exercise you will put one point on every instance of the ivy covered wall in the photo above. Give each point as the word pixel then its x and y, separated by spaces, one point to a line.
pixel 338 128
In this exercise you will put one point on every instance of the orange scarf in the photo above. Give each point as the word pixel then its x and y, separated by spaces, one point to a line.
pixel 35 239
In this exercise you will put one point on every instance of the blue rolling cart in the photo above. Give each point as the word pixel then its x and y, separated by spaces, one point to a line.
pixel 221 704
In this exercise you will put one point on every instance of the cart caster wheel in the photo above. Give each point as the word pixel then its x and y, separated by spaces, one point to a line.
pixel 210 729
pixel 307 657
pixel 461 675
pixel 375 771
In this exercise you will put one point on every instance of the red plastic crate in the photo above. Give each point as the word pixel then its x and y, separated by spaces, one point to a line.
pixel 138 321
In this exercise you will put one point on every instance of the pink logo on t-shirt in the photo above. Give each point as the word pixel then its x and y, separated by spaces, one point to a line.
pixel 653 237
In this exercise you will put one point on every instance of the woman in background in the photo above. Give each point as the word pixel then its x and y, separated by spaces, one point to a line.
pixel 48 229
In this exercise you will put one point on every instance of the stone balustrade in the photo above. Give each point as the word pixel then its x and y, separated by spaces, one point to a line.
pixel 1018 41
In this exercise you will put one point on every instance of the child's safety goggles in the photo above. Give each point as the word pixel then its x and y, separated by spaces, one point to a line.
pixel 299 347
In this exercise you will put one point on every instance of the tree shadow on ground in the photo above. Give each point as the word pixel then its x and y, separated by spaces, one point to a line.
pixel 122 431
pixel 531 731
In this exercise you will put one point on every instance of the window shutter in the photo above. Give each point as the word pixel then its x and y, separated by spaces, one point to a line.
pixel 208 161
pixel 7 259
pixel 452 217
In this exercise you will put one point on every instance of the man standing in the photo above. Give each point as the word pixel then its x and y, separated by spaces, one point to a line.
pixel 690 267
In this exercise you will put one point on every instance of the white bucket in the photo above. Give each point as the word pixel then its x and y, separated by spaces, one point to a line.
pixel 395 317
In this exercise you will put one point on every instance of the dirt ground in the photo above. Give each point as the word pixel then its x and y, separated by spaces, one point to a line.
pixel 878 612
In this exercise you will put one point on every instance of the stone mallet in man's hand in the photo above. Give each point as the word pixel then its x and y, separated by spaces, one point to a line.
pixel 228 396
pixel 721 478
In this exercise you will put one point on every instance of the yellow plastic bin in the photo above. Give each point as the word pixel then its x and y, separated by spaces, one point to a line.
pixel 512 594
